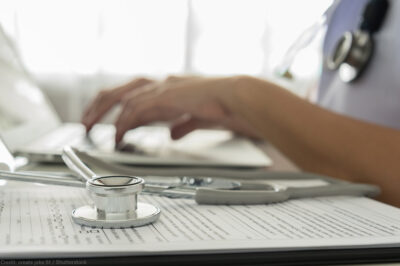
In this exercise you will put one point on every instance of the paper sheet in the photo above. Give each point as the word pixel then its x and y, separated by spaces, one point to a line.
pixel 35 221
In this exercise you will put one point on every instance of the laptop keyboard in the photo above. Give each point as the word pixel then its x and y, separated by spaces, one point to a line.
pixel 152 141
pixel 145 140
pixel 73 135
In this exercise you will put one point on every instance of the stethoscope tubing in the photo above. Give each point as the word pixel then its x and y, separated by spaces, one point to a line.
pixel 249 197
pixel 161 190
pixel 76 165
pixel 260 195
pixel 218 196
pixel 42 179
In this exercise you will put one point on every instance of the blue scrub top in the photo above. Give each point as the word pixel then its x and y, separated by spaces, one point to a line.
pixel 375 97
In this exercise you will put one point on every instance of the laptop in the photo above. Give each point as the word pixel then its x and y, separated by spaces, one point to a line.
pixel 30 127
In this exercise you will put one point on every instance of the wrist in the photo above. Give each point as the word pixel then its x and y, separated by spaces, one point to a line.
pixel 234 89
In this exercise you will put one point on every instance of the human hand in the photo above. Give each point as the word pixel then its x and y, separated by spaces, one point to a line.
pixel 188 102
pixel 106 99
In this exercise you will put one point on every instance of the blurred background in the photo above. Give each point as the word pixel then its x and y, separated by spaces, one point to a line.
pixel 74 48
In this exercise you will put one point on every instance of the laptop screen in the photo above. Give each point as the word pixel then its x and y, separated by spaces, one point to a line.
pixel 25 113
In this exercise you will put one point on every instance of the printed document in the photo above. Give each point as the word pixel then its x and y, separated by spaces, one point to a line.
pixel 35 221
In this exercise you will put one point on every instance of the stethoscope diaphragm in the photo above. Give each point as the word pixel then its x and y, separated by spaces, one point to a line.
pixel 115 204
pixel 351 55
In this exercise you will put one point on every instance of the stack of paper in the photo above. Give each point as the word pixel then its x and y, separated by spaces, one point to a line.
pixel 35 221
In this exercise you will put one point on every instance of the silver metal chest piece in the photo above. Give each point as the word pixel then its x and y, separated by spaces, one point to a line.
pixel 115 204
pixel 351 55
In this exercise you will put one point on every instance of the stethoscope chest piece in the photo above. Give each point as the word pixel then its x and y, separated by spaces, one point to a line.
pixel 115 204
pixel 353 52
pixel 351 55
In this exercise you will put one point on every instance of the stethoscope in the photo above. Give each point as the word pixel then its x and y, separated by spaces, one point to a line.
pixel 115 197
pixel 354 50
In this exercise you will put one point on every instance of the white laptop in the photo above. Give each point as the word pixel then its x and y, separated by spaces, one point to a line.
pixel 30 127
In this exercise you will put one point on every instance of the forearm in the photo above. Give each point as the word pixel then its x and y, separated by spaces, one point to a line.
pixel 319 140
